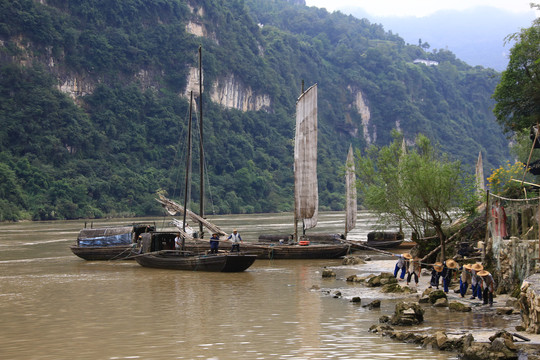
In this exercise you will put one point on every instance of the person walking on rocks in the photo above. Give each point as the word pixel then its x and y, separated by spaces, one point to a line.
pixel 476 281
pixel 448 272
pixel 488 284
pixel 436 274
pixel 465 279
pixel 402 265
pixel 414 268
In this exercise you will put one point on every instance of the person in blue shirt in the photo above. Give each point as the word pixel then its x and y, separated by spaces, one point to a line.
pixel 214 244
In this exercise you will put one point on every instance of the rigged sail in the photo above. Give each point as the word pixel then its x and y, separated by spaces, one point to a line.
pixel 350 184
pixel 305 159
pixel 174 208
pixel 480 185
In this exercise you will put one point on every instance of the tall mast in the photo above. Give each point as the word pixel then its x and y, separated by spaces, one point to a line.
pixel 188 169
pixel 201 152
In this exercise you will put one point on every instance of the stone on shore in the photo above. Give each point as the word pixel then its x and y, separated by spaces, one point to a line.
pixel 442 302
pixel 375 304
pixel 502 347
pixel 353 260
pixel 355 278
pixel 328 273
pixel 459 306
pixel 407 314
pixel 381 280
pixel 436 295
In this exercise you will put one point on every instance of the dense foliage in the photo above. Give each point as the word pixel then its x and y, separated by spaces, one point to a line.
pixel 418 186
pixel 518 93
pixel 108 151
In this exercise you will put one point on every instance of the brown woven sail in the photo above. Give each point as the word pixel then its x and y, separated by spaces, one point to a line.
pixel 305 158
pixel 350 184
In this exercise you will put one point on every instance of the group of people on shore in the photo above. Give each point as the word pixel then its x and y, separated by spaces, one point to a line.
pixel 481 281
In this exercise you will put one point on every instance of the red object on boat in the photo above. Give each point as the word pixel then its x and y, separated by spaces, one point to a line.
pixel 303 242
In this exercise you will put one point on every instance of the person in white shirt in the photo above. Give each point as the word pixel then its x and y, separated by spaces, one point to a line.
pixel 236 240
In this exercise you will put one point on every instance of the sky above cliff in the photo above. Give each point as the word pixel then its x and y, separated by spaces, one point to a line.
pixel 419 8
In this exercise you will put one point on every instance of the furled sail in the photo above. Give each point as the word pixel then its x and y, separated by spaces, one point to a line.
pixel 480 184
pixel 305 158
pixel 173 208
pixel 350 184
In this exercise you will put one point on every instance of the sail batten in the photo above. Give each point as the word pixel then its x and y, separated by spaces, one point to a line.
pixel 305 158
pixel 350 184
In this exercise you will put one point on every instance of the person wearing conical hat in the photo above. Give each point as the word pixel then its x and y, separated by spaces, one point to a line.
pixel 488 284
pixel 401 265
pixel 214 244
pixel 449 266
pixel 236 239
pixel 476 281
pixel 465 279
pixel 436 274
pixel 414 268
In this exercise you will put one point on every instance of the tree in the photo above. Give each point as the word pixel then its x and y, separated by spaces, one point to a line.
pixel 518 93
pixel 420 186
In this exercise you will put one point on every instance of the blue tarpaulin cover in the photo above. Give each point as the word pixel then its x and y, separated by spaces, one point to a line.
pixel 111 240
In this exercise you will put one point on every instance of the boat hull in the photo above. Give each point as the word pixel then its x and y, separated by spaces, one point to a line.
pixel 278 251
pixel 214 263
pixel 102 253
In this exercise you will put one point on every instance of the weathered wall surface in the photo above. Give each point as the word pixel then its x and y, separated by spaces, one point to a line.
pixel 530 303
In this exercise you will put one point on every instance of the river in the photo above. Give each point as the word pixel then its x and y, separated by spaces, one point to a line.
pixel 55 305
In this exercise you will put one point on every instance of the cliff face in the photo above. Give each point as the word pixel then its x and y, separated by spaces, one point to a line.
pixel 369 129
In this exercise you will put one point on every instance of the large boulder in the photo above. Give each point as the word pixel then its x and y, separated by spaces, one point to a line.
pixel 407 314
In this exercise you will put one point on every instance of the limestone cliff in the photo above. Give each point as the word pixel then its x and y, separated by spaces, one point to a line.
pixel 362 109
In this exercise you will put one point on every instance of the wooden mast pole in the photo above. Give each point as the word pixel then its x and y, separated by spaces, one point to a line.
pixel 188 169
pixel 201 152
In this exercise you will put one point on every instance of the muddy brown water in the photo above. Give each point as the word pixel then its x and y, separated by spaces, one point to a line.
pixel 55 305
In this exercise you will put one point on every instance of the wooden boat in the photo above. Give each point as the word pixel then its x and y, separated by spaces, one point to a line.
pixel 157 250
pixel 315 238
pixel 384 239
pixel 109 243
pixel 306 196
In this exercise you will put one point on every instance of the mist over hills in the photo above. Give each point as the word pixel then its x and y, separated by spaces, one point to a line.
pixel 476 36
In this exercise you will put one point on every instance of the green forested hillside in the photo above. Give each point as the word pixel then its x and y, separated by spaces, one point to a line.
pixel 108 150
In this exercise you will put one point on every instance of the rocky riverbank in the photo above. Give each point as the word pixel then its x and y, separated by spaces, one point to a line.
pixel 429 317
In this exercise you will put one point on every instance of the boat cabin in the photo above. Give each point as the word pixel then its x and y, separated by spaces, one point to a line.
pixel 112 235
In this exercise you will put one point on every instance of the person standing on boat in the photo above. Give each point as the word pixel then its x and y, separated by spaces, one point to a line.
pixel 178 242
pixel 236 240
pixel 214 244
